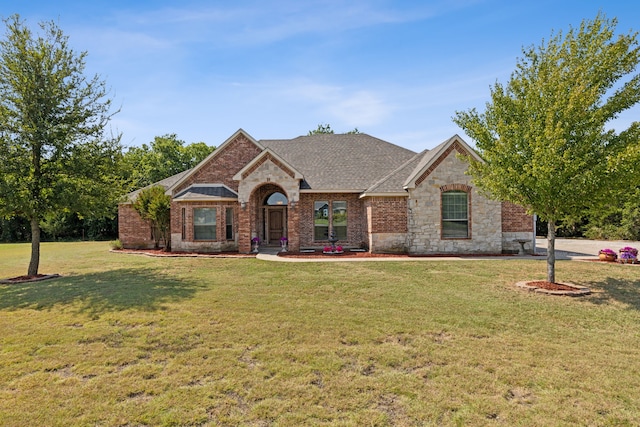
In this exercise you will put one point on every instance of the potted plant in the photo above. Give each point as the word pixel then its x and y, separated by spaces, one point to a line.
pixel 628 255
pixel 607 255
pixel 283 243
pixel 256 243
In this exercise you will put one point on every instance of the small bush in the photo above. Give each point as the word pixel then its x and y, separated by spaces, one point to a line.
pixel 116 244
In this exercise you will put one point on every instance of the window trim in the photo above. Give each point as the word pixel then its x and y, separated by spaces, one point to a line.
pixel 214 224
pixel 328 208
pixel 459 190
pixel 184 223
pixel 229 213
pixel 330 224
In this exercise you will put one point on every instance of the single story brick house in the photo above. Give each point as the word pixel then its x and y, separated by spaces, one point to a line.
pixel 371 193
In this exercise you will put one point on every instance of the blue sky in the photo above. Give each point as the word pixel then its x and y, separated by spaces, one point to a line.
pixel 397 70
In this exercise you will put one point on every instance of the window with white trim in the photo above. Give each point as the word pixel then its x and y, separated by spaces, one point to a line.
pixel 204 224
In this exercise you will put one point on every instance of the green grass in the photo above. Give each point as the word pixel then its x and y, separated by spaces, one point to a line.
pixel 126 340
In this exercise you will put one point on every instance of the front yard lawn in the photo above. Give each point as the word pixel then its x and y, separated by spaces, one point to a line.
pixel 133 340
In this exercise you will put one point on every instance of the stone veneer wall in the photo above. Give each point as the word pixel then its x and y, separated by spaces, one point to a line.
pixel 516 225
pixel 356 220
pixel 221 244
pixel 133 232
pixel 387 224
pixel 424 234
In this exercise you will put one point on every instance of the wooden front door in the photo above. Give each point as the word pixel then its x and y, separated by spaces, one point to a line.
pixel 276 225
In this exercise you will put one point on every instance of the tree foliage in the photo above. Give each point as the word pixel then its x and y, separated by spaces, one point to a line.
pixel 326 129
pixel 543 136
pixel 321 129
pixel 165 156
pixel 154 207
pixel 54 155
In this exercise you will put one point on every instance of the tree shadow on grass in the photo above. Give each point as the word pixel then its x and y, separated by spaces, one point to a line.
pixel 98 293
pixel 626 292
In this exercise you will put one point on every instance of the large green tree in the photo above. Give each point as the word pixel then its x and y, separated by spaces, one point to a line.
pixel 54 153
pixel 544 137
pixel 165 156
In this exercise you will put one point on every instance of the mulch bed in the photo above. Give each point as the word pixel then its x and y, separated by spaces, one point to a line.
pixel 348 254
pixel 550 288
pixel 161 253
pixel 28 279
pixel 342 255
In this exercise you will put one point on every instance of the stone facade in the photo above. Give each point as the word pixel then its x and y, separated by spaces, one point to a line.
pixel 425 205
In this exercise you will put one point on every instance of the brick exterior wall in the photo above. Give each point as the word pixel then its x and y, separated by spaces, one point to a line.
pixel 388 214
pixel 228 161
pixel 356 219
pixel 515 218
pixel 387 224
pixel 133 232
pixel 516 225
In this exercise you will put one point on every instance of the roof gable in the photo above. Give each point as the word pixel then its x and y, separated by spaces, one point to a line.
pixel 433 158
pixel 211 158
pixel 268 155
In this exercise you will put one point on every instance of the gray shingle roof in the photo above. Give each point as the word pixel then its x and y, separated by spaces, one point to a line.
pixel 393 182
pixel 166 183
pixel 208 191
pixel 341 161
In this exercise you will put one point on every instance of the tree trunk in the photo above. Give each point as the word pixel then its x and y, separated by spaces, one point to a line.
pixel 35 247
pixel 551 251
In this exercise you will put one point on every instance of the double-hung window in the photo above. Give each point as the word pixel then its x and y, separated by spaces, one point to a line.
pixel 455 215
pixel 204 223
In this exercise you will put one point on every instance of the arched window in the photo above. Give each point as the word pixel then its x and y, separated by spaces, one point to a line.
pixel 276 199
pixel 455 215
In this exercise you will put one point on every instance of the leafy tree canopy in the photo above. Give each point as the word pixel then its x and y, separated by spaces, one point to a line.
pixel 543 136
pixel 326 129
pixel 166 156
pixel 54 154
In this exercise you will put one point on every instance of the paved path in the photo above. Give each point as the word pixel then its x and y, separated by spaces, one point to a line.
pixel 565 249
pixel 581 248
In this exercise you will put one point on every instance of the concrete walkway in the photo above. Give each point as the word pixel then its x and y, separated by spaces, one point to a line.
pixel 573 249
pixel 582 248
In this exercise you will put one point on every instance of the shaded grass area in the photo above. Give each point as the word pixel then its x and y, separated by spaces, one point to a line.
pixel 130 340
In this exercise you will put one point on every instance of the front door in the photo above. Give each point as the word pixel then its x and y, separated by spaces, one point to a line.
pixel 275 225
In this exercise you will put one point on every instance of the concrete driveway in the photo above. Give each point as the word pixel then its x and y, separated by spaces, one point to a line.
pixel 579 248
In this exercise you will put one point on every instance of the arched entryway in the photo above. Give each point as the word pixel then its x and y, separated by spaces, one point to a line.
pixel 270 214
pixel 275 217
